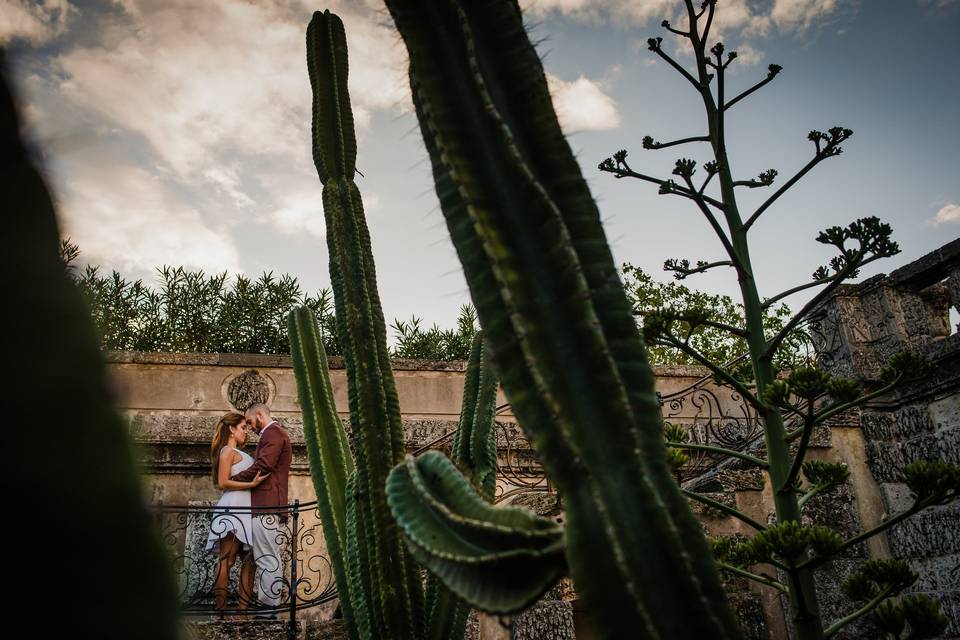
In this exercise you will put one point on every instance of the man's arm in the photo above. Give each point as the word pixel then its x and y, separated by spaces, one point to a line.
pixel 267 458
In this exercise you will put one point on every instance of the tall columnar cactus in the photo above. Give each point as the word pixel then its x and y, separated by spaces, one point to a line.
pixel 381 591
pixel 563 341
pixel 392 595
pixel 74 462
pixel 327 448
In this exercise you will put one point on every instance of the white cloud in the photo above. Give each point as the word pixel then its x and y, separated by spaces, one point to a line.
pixel 214 98
pixel 800 15
pixel 939 5
pixel 582 105
pixel 734 19
pixel 748 55
pixel 35 21
pixel 597 10
pixel 140 226
pixel 948 214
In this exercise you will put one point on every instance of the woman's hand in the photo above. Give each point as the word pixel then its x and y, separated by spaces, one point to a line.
pixel 260 478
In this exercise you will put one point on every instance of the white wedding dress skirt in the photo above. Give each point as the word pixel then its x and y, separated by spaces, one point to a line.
pixel 226 521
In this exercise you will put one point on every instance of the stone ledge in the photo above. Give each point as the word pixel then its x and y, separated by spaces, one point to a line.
pixel 262 360
pixel 266 360
pixel 262 630
pixel 928 269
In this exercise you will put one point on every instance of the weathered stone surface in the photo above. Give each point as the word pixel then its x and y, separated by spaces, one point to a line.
pixel 937 574
pixel 541 503
pixel 472 632
pixel 545 620
pixel 834 604
pixel 860 327
pixel 837 510
pixel 897 497
pixel 701 510
pixel 749 612
pixel 262 630
pixel 904 423
pixel 932 532
pixel 246 389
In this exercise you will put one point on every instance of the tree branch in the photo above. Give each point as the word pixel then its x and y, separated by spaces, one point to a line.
pixel 808 426
pixel 862 611
pixel 772 72
pixel 809 494
pixel 623 170
pixel 710 175
pixel 706 29
pixel 719 506
pixel 654 45
pixel 834 282
pixel 717 371
pixel 833 410
pixel 737 331
pixel 746 457
pixel 650 143
pixel 883 526
pixel 701 201
pixel 769 302
pixel 701 267
pixel 779 192
pixel 770 582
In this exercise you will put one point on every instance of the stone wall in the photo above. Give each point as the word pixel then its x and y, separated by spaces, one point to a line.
pixel 860 328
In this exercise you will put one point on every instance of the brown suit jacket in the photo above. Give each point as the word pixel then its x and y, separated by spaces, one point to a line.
pixel 273 456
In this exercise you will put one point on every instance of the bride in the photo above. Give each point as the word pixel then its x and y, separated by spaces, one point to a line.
pixel 230 530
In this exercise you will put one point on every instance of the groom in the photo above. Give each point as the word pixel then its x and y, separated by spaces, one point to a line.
pixel 268 500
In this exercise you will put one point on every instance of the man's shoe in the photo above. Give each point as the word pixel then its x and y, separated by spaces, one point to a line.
pixel 265 616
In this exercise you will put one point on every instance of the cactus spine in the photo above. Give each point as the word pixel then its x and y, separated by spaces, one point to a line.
pixel 564 342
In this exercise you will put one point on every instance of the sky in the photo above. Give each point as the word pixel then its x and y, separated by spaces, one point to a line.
pixel 178 132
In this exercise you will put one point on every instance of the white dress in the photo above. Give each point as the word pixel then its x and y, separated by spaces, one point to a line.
pixel 226 521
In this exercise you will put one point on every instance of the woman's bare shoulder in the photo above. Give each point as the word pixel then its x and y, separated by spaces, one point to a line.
pixel 230 455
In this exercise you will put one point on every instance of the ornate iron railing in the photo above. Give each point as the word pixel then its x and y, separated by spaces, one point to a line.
pixel 518 469
pixel 306 579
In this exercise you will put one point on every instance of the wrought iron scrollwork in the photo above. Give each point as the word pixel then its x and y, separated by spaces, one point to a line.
pixel 305 574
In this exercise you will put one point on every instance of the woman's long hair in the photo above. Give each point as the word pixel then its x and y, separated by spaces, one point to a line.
pixel 221 434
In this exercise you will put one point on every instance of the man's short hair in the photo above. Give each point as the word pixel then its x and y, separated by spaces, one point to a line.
pixel 258 406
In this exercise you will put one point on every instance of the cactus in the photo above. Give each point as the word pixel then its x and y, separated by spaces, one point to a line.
pixel 391 597
pixel 474 447
pixel 562 337
pixel 475 455
pixel 78 470
pixel 326 440
pixel 381 591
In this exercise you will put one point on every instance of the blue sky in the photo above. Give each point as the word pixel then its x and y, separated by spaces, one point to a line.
pixel 177 132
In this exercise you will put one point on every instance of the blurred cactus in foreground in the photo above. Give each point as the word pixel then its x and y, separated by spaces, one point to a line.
pixel 91 533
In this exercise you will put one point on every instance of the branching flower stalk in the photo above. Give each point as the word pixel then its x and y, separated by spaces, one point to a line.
pixel 807 395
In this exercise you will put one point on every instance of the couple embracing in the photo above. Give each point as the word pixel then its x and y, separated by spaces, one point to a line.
pixel 248 518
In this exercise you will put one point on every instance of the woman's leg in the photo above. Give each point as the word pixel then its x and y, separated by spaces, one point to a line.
pixel 247 574
pixel 229 547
